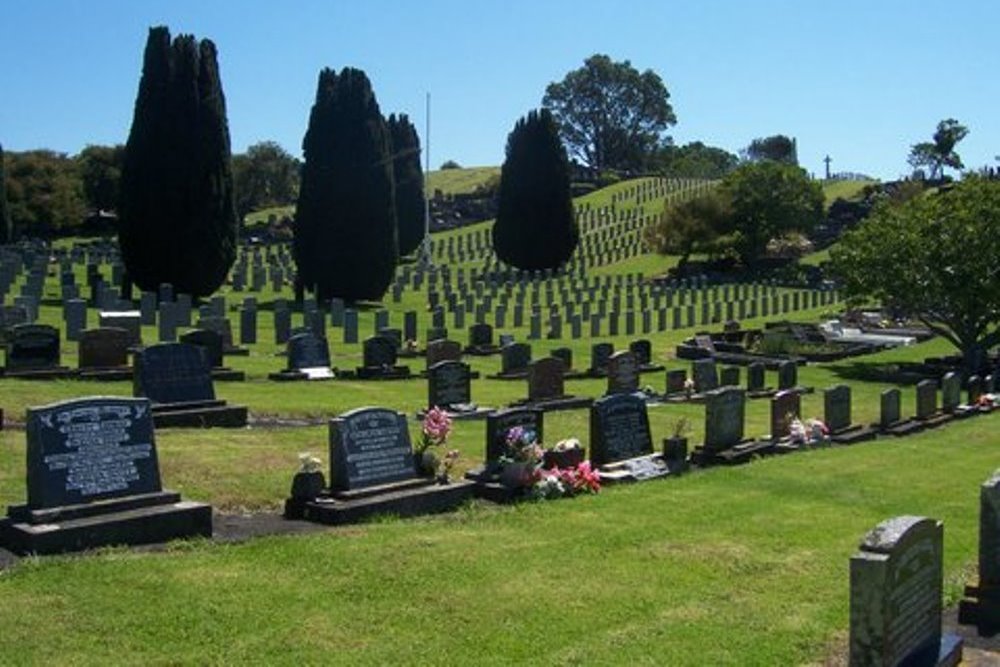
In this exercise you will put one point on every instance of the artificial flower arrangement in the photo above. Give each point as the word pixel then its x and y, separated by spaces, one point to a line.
pixel 308 481
pixel 434 433
pixel 988 401
pixel 810 432
pixel 528 466
pixel 689 387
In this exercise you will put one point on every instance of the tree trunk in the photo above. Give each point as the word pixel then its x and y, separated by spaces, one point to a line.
pixel 974 358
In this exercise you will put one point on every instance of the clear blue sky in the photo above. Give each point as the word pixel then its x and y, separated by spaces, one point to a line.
pixel 861 81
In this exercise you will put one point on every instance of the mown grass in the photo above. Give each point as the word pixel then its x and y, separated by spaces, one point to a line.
pixel 460 181
pixel 833 190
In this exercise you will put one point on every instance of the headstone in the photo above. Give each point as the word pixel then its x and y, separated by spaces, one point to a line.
pixel 76 318
pixel 599 355
pixel 564 354
pixel 500 422
pixel 756 377
pixel 545 379
pixel 725 415
pixel 449 383
pixel 130 320
pixel 369 447
pixel 619 428
pixel 926 399
pixel 837 408
pixel 623 373
pixel 350 326
pixel 106 347
pixel 951 392
pixel 443 350
pixel 514 358
pixel 210 344
pixel 282 324
pixel 729 376
pixel 705 376
pixel 480 336
pixel 173 373
pixel 896 589
pixel 32 347
pixel 643 351
pixel 676 379
pixel 248 326
pixel 379 352
pixel 785 406
pixel 788 375
pixel 890 410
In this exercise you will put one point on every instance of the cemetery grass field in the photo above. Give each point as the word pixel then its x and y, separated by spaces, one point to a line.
pixel 741 566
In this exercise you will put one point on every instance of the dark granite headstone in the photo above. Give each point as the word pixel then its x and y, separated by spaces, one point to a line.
pixel 449 383
pixel 105 347
pixel 643 351
pixel 705 376
pixel 369 447
pixel 785 406
pixel 975 389
pixel 90 449
pixel 788 375
pixel 599 355
pixel 756 377
pixel 545 379
pixel 172 373
pixel 307 350
pixel 837 408
pixel 379 351
pixel 623 373
pixel 480 335
pixel 926 399
pixel 896 588
pixel 130 320
pixel 32 347
pixel 725 415
pixel 514 358
pixel 210 343
pixel 619 428
pixel 565 354
pixel 443 350
pixel 890 410
pixel 675 381
pixel 500 422
pixel 729 376
pixel 983 609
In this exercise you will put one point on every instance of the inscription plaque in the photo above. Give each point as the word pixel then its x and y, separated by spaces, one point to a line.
pixel 369 447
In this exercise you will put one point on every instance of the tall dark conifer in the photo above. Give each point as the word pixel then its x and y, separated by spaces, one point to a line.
pixel 177 218
pixel 535 227
pixel 5 231
pixel 409 178
pixel 345 221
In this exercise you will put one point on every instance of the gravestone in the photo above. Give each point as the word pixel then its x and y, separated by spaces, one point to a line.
pixel 33 349
pixel 599 355
pixel 566 355
pixel 619 429
pixel 926 399
pixel 481 339
pixel 442 350
pixel 130 320
pixel 982 604
pixel 785 406
pixel 350 326
pixel 623 373
pixel 369 447
pixel 449 385
pixel 93 480
pixel 895 603
pixel 308 358
pixel 705 376
pixel 545 379
pixel 676 378
pixel 729 376
pixel 500 422
pixel 76 318
pixel 514 359
pixel 890 410
pixel 725 414
pixel 282 324
pixel 951 392
pixel 788 375
pixel 837 408
pixel 105 347
pixel 209 342
pixel 643 351
pixel 756 381
pixel 173 373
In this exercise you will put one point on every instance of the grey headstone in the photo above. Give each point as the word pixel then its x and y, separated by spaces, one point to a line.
pixel 619 428
pixel 890 407
pixel 725 415
pixel 837 408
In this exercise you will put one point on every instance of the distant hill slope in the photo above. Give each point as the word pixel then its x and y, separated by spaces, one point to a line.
pixel 460 181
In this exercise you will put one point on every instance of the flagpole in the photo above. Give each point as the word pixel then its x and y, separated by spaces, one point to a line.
pixel 427 193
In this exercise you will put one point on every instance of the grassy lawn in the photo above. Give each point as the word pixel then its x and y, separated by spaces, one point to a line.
pixel 833 190
pixel 459 181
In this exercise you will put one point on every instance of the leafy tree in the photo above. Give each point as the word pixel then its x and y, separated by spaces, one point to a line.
pixel 177 218
pixel 450 164
pixel 5 232
pixel 610 115
pixel 940 153
pixel 101 173
pixel 266 175
pixel 409 181
pixel 345 221
pixel 694 225
pixel 535 226
pixel 769 199
pixel 695 160
pixel 776 148
pixel 915 257
pixel 44 192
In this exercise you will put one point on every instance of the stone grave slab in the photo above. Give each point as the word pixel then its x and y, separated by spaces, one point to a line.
pixel 308 358
pixel 621 446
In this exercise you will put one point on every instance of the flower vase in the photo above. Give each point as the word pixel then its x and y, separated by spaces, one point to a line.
pixel 425 463
pixel 308 485
pixel 568 458
pixel 517 475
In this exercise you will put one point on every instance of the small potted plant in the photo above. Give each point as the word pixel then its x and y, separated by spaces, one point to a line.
pixel 567 453
pixel 521 458
pixel 308 482
pixel 447 463
pixel 434 433
pixel 675 447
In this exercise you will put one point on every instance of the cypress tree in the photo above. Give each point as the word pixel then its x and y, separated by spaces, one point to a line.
pixel 409 178
pixel 535 227
pixel 177 217
pixel 5 231
pixel 345 220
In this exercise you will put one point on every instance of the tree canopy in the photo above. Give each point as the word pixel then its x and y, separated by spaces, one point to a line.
pixel 535 227
pixel 768 200
pixel 345 221
pixel 610 115
pixel 776 148
pixel 409 183
pixel 44 192
pixel 939 153
pixel 693 225
pixel 694 160
pixel 101 173
pixel 917 258
pixel 177 218
pixel 266 175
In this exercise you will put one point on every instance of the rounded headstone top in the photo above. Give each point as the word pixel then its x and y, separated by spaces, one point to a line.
pixel 884 537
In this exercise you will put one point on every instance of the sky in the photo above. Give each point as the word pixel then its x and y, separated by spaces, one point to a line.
pixel 858 81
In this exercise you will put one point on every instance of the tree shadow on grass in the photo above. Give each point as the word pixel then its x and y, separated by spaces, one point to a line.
pixel 902 373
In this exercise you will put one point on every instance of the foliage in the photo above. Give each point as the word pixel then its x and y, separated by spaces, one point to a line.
pixel 691 226
pixel 940 153
pixel 776 148
pixel 768 200
pixel 309 463
pixel 610 115
pixel 915 257
pixel 4 211
pixel 694 160
pixel 536 227
pixel 177 217
pixel 101 172
pixel 44 192
pixel 264 177
pixel 408 178
pixel 450 164
pixel 345 221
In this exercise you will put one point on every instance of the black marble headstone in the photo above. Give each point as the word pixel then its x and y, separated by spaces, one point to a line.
pixel 172 373
pixel 379 351
pixel 307 350
pixel 369 447
pixel 619 429
pixel 32 346
pixel 449 383
pixel 500 422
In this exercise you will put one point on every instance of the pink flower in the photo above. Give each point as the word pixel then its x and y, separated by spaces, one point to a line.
pixel 437 426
